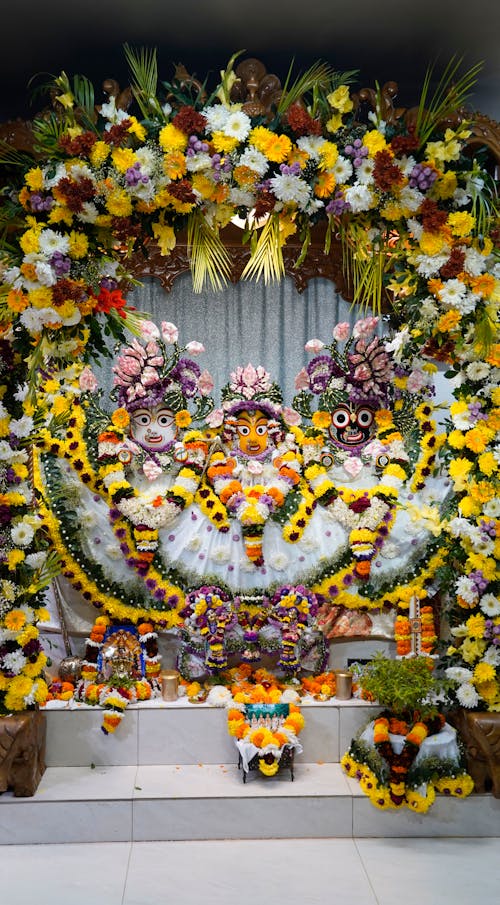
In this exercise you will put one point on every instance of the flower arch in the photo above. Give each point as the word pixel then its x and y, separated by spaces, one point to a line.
pixel 405 200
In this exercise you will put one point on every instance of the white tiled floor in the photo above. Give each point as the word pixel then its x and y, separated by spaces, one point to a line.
pixel 275 872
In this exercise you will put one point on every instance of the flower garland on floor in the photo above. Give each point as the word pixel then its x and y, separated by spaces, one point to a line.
pixel 392 780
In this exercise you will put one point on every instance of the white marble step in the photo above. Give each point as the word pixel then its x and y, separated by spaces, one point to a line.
pixel 210 801
pixel 157 732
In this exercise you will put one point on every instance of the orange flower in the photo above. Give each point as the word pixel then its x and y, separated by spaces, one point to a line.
pixel 325 185
pixel 120 418
pixel 145 628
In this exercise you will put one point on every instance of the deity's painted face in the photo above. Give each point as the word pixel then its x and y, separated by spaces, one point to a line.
pixel 154 428
pixel 252 432
pixel 351 426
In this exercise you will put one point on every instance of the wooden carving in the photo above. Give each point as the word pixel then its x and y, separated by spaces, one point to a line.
pixel 256 89
pixel 480 733
pixel 22 752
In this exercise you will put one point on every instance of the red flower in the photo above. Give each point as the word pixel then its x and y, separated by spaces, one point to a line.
pixel 188 120
pixel 109 299
pixel 386 173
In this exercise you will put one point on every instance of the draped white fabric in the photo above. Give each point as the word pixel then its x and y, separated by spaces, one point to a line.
pixel 246 322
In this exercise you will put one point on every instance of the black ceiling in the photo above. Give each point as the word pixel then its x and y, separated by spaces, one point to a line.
pixel 383 40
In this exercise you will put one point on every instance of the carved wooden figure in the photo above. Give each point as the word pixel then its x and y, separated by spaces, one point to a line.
pixel 480 733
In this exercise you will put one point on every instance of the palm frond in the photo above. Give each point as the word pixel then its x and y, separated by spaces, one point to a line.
pixel 365 267
pixel 144 68
pixel 266 259
pixel 318 76
pixel 47 133
pixel 83 92
pixel 484 197
pixel 450 94
pixel 9 157
pixel 210 262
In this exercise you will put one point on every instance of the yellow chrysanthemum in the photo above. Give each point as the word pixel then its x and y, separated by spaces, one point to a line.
pixel 34 179
pixel 118 203
pixel 223 143
pixel 78 245
pixel 174 165
pixel 275 147
pixel 172 139
pixel 123 158
pixel 483 672
pixel 328 155
pixel 374 141
pixel 99 153
pixel 449 320
pixel 461 223
pixel 431 243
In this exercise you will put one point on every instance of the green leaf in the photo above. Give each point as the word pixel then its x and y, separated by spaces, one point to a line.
pixel 266 259
pixel 144 67
pixel 448 97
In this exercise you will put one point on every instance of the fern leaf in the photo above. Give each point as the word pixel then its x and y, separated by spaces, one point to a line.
pixel 144 68
pixel 447 98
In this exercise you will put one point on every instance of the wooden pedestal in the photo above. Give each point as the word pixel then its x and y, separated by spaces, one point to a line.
pixel 22 752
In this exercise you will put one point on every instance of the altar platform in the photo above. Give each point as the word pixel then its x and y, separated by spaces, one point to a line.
pixel 170 773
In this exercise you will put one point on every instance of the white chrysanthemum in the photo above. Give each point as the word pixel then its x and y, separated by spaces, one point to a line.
pixel 194 544
pixel 452 292
pixel 460 527
pixel 50 178
pixel 490 605
pixel 466 589
pixel 216 117
pixel 50 241
pixel 342 169
pixel 21 392
pixel 22 534
pixel 411 199
pixel 311 144
pixel 428 309
pixel 492 508
pixel 360 198
pixel 44 274
pixel 467 303
pixel 459 674
pixel 314 204
pixel 475 262
pixel 80 171
pixel 113 552
pixel 36 560
pixel 390 550
pixel 14 662
pixel 221 556
pixel 254 160
pixel 364 173
pixel 13 277
pixel 477 370
pixel 145 191
pixel 8 590
pixel 241 198
pixel 148 158
pixel 460 197
pixel 406 164
pixel 88 213
pixel 278 561
pixel 200 161
pixel 289 188
pixel 492 656
pixel 467 695
pixel 428 265
pixel 459 631
pixel 21 427
pixel 219 696
pixel 237 125
pixel 415 228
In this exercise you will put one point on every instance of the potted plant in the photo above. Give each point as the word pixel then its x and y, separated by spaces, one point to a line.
pixel 391 757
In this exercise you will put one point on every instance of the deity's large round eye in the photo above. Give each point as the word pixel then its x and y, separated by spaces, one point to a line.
pixel 243 430
pixel 261 430
pixel 341 417
pixel 165 418
pixel 142 418
pixel 364 417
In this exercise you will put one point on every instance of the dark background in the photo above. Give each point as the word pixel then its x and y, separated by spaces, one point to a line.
pixel 384 40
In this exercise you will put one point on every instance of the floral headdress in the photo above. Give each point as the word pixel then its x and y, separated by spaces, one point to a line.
pixel 154 372
pixel 250 389
pixel 363 371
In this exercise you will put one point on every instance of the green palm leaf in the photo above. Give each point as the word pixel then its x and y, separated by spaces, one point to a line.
pixel 144 68
pixel 319 75
pixel 447 98
pixel 266 259
pixel 210 262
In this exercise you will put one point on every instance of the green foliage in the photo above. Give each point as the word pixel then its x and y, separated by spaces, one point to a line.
pixel 402 686
pixel 449 96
